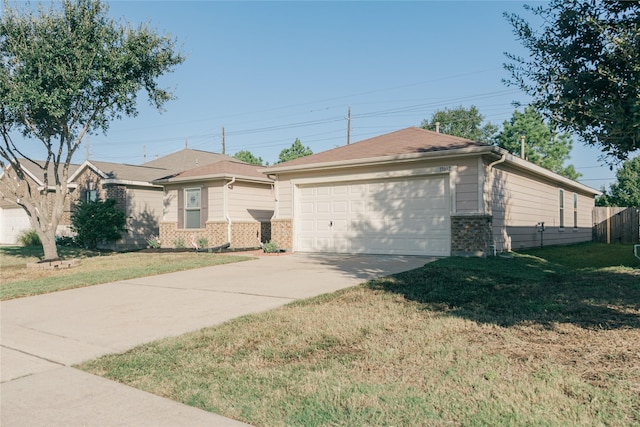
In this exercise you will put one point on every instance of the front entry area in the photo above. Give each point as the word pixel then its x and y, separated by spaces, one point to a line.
pixel 402 216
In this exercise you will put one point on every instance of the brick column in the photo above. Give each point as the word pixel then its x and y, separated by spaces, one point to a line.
pixel 282 233
pixel 471 235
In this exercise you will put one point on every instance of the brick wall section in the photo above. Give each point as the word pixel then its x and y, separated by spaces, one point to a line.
pixel 471 235
pixel 282 233
pixel 245 234
pixel 215 233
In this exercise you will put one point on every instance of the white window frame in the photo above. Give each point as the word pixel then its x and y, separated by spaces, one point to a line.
pixel 190 207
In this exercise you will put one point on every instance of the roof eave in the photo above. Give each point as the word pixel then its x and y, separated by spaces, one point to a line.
pixel 370 161
pixel 212 177
pixel 114 181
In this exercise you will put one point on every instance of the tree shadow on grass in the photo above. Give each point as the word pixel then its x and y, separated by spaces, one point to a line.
pixel 522 290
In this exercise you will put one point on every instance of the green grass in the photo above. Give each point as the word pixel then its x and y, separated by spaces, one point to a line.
pixel 544 338
pixel 95 268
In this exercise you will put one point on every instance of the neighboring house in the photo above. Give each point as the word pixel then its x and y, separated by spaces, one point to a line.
pixel 129 185
pixel 417 192
pixel 224 202
pixel 13 218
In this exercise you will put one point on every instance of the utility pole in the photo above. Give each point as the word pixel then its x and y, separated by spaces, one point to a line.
pixel 144 154
pixel 348 125
pixel 186 143
pixel 522 146
pixel 86 146
pixel 223 146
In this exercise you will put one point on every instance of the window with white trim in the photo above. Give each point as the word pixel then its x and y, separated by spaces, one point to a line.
pixel 561 205
pixel 192 207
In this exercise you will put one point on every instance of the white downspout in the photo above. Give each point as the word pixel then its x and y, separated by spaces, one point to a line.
pixel 494 246
pixel 226 207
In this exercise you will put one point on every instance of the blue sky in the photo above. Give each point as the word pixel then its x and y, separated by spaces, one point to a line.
pixel 271 72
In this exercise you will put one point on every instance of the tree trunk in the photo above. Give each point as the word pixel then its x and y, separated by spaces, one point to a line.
pixel 49 245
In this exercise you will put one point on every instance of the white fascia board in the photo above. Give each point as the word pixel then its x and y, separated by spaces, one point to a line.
pixel 539 170
pixel 372 161
pixel 83 166
pixel 112 181
pixel 214 177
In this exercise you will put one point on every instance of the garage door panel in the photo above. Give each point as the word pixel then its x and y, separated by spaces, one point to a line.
pixel 381 217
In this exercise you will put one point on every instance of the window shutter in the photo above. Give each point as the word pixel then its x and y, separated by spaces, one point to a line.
pixel 204 206
pixel 180 208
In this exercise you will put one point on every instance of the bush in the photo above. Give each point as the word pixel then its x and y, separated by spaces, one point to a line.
pixel 97 222
pixel 65 241
pixel 178 243
pixel 203 242
pixel 29 238
pixel 270 247
pixel 154 242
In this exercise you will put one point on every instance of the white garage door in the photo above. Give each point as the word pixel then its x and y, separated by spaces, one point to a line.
pixel 13 221
pixel 402 216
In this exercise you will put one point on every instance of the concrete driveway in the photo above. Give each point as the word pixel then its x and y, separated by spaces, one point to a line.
pixel 41 337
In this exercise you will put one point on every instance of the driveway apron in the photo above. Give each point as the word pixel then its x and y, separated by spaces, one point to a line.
pixel 42 337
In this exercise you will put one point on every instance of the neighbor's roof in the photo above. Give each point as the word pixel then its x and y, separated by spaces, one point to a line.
pixel 186 159
pixel 130 173
pixel 411 140
pixel 225 169
pixel 37 172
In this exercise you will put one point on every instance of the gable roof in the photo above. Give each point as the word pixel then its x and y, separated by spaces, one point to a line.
pixel 408 145
pixel 37 172
pixel 187 158
pixel 411 140
pixel 122 173
pixel 225 169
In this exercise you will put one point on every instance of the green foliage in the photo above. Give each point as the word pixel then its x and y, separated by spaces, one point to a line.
pixel 67 71
pixel 270 247
pixel 154 242
pixel 625 192
pixel 178 243
pixel 29 238
pixel 97 222
pixel 543 145
pixel 462 122
pixel 583 69
pixel 295 151
pixel 65 241
pixel 247 157
pixel 202 242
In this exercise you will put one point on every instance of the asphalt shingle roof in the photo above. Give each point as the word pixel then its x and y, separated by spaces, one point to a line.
pixel 411 140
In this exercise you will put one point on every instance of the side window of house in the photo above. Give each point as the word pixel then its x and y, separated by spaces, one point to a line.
pixel 91 195
pixel 561 203
pixel 192 207
pixel 575 211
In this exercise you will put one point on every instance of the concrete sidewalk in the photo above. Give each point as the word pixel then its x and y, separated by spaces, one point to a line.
pixel 41 337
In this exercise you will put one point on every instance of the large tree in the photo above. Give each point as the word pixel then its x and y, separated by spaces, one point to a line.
pixel 462 122
pixel 296 150
pixel 583 69
pixel 67 71
pixel 248 157
pixel 543 145
pixel 626 190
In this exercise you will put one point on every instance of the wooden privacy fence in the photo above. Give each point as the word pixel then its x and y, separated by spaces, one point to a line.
pixel 616 225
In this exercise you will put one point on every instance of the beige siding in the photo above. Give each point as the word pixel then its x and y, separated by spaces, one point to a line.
pixel 215 200
pixel 144 212
pixel 250 202
pixel 520 202
pixel 466 181
pixel 170 205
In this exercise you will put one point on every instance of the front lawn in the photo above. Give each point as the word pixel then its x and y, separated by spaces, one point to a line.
pixel 95 268
pixel 548 337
